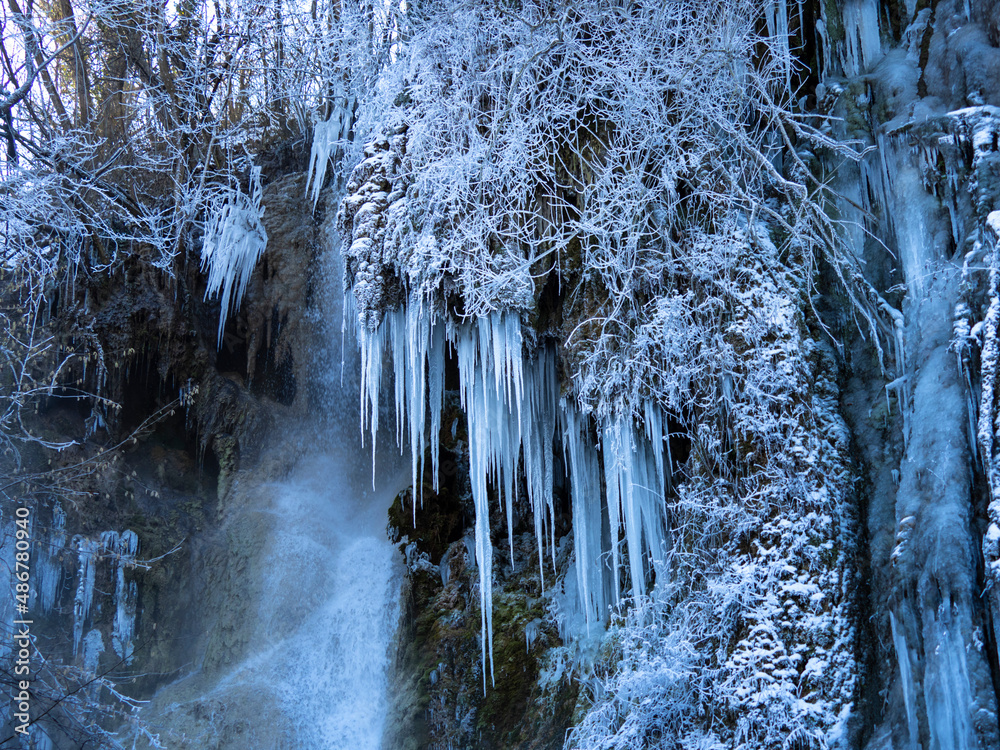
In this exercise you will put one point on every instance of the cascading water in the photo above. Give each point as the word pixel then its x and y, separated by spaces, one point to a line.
pixel 327 608
pixel 943 690
pixel 302 592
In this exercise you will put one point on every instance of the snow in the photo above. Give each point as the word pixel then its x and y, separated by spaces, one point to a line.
pixel 993 222
pixel 233 243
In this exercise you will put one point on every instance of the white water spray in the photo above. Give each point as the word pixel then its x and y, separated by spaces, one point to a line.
pixel 304 588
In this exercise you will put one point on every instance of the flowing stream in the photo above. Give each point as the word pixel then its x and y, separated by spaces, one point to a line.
pixel 329 608
pixel 301 587
pixel 307 609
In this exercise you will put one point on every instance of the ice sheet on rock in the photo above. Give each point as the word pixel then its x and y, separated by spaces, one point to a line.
pixel 40 739
pixel 93 647
pixel 8 536
pixel 909 206
pixel 946 682
pixel 122 549
pixel 904 659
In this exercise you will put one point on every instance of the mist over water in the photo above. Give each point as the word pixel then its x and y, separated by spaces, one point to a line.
pixel 329 606
pixel 302 597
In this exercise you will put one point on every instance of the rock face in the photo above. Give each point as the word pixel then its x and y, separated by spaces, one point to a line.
pixel 127 520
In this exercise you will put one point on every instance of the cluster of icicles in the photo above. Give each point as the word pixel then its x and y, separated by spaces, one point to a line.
pixel 513 409
pixel 121 550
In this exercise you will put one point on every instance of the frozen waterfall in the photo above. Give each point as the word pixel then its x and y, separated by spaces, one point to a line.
pixel 943 688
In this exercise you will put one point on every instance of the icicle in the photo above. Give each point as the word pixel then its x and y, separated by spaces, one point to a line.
pixel 776 17
pixel 435 395
pixel 234 241
pixel 538 425
pixel 636 492
pixel 862 44
pixel 395 325
pixel 653 422
pixel 372 345
pixel 613 490
pixel 512 410
pixel 492 344
pixel 473 396
pixel 651 492
pixel 47 565
pixel 87 556
pixel 585 485
pixel 618 448
pixel 326 136
pixel 126 597
pixel 417 341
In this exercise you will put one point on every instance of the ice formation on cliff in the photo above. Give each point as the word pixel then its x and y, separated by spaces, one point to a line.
pixel 234 241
